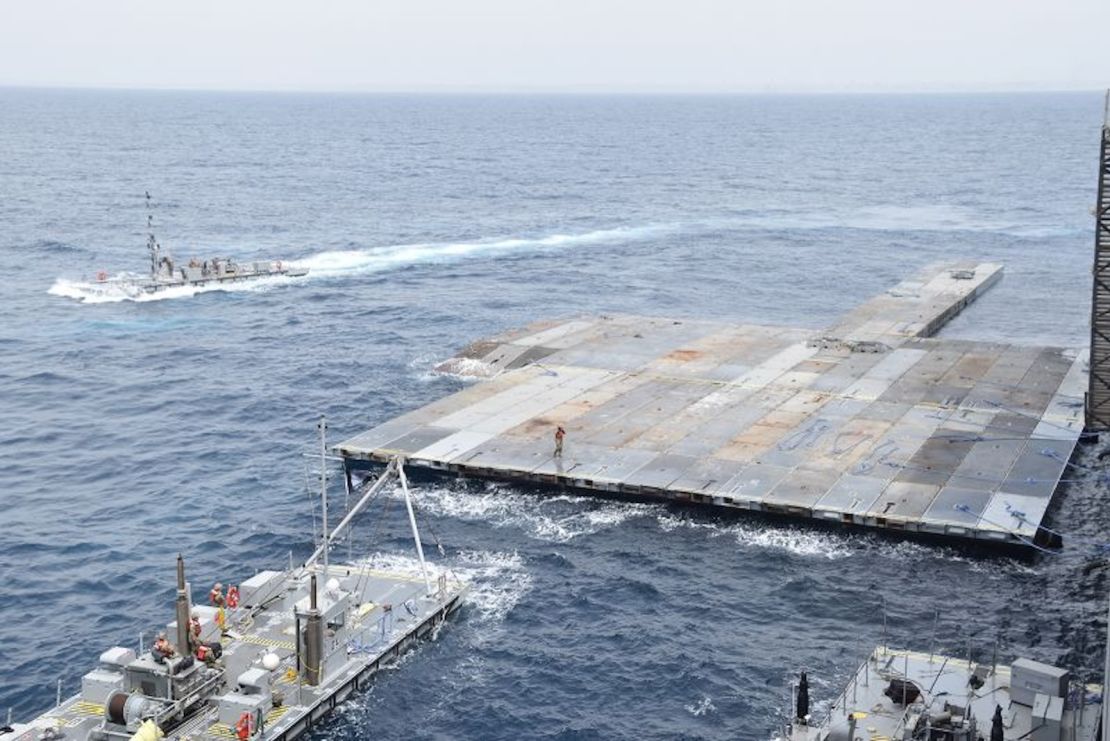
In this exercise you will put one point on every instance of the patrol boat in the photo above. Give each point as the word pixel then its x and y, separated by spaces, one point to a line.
pixel 165 273
pixel 929 697
pixel 283 649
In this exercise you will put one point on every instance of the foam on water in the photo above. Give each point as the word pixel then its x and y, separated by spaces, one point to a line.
pixel 701 707
pixel 558 519
pixel 838 545
pixel 498 581
pixel 795 540
pixel 464 369
pixel 564 518
pixel 378 259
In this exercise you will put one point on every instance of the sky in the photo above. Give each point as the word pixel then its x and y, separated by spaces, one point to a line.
pixel 693 46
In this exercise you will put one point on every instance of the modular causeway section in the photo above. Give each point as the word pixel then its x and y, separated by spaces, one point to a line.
pixel 871 422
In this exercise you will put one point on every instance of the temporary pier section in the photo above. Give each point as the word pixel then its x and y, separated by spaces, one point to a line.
pixel 868 422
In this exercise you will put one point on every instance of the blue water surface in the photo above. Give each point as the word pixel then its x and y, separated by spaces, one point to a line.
pixel 131 431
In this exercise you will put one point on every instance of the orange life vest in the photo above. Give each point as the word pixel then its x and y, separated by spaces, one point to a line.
pixel 233 597
pixel 244 726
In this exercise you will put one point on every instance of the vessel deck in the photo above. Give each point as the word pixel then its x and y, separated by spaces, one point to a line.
pixel 944 681
pixel 393 609
pixel 869 422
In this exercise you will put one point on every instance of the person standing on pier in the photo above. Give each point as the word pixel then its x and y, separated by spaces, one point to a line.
pixel 560 433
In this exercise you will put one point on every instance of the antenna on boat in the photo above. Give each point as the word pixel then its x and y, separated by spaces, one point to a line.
pixel 322 426
pixel 152 244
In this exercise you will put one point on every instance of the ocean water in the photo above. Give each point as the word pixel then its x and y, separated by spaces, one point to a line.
pixel 134 430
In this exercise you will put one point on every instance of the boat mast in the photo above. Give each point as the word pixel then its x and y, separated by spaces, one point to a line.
pixel 151 243
pixel 323 427
pixel 153 246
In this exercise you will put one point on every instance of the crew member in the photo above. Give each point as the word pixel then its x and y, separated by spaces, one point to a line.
pixel 205 653
pixel 194 633
pixel 244 727
pixel 163 649
pixel 216 596
pixel 560 433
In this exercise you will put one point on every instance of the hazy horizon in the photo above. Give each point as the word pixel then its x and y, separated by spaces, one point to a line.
pixel 555 92
pixel 567 46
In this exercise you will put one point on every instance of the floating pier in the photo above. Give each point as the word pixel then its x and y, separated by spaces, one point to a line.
pixel 869 422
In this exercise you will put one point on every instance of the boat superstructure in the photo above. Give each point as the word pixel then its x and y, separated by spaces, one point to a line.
pixel 915 696
pixel 267 662
pixel 166 273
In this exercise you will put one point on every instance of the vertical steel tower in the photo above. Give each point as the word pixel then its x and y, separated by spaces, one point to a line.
pixel 1098 392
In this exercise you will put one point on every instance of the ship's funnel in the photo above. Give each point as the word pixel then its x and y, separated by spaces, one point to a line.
pixel 312 639
pixel 182 609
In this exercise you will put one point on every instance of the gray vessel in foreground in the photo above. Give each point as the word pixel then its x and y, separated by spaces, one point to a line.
pixel 297 643
pixel 918 696
pixel 166 273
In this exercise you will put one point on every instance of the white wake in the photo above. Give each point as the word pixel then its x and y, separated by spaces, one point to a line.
pixel 338 263
pixel 379 259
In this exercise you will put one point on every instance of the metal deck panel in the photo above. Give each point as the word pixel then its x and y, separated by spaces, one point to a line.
pixel 944 507
pixel 707 476
pixel 1038 468
pixel 717 432
pixel 801 489
pixel 549 337
pixel 596 462
pixel 999 514
pixel 661 472
pixel 754 482
pixel 451 446
pixel 988 463
pixel 764 373
pixel 937 458
pixel 418 439
pixel 510 454
pixel 852 494
pixel 905 500
pixel 536 405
